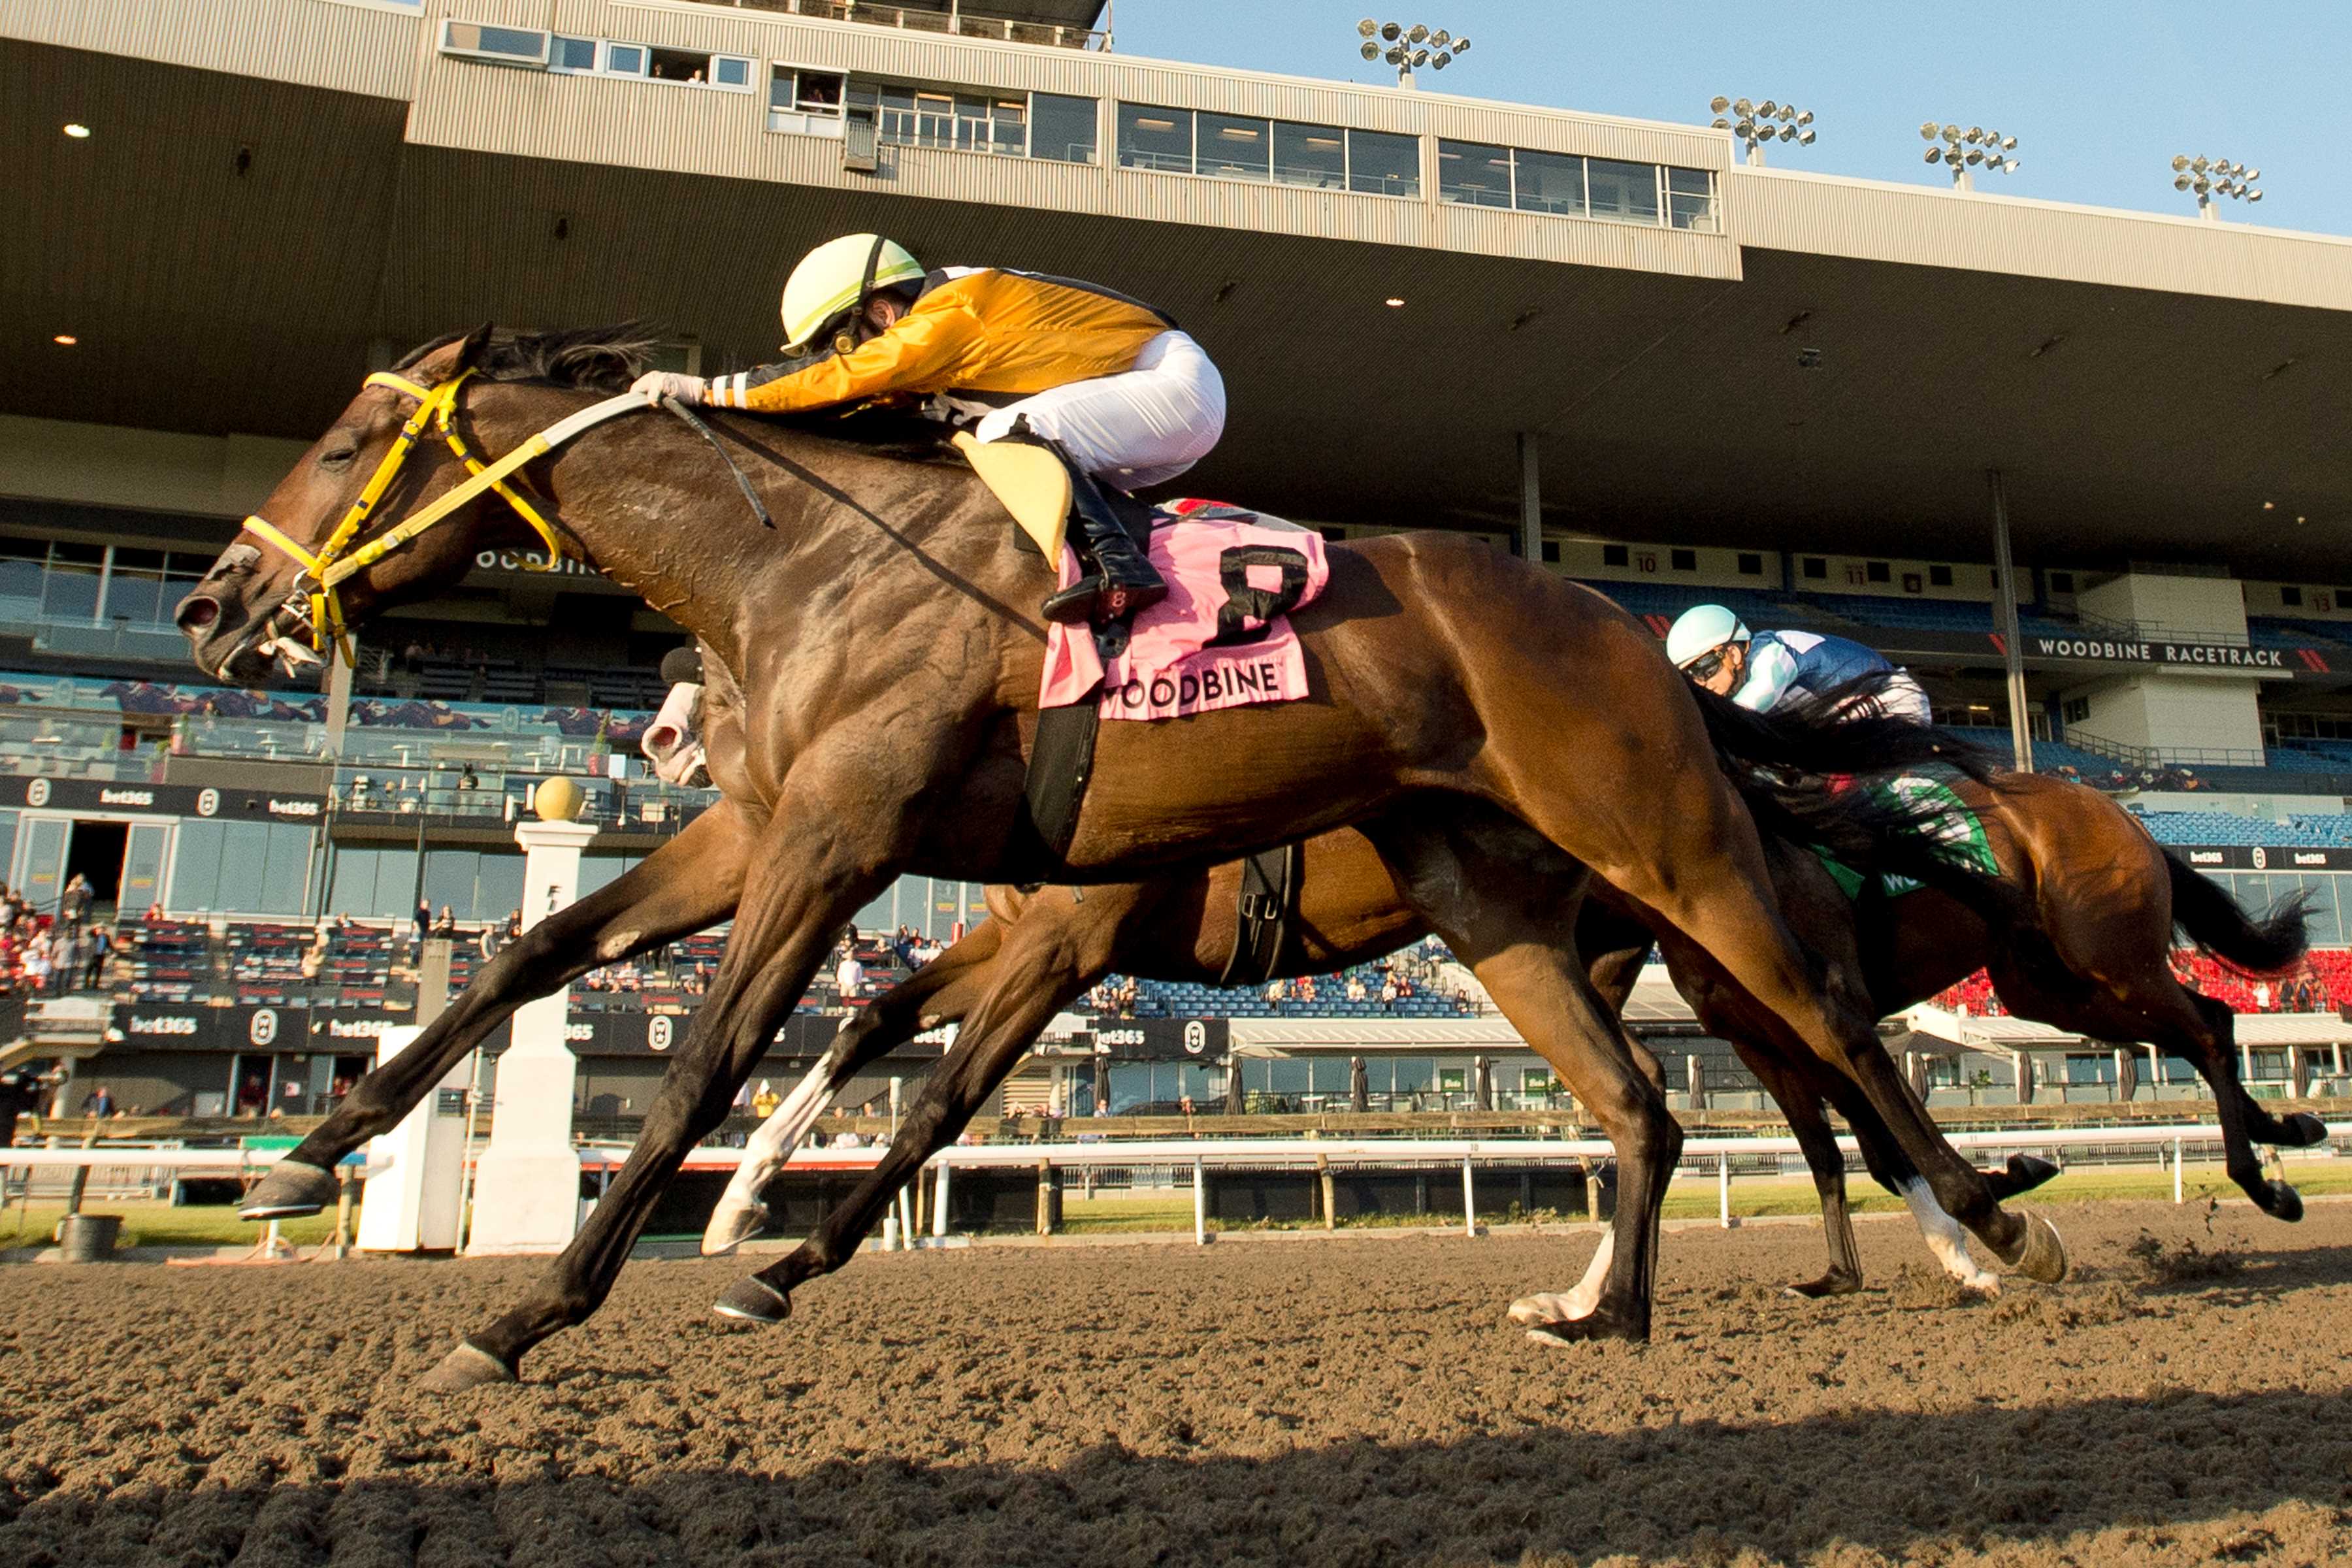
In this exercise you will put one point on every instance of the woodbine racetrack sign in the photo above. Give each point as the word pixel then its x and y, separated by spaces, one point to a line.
pixel 2109 650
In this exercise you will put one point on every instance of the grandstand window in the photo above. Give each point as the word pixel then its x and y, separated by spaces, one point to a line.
pixel 135 586
pixel 1939 577
pixel 1232 147
pixel 2290 594
pixel 1471 173
pixel 1548 183
pixel 1622 193
pixel 1062 129
pixel 503 46
pixel 69 591
pixel 1815 566
pixel 1152 138
pixel 1551 552
pixel 2078 709
pixel 625 60
pixel 1615 555
pixel 1314 155
pixel 1382 165
pixel 1414 1074
pixel 1690 200
pixel 22 567
pixel 1876 571
pixel 1751 566
pixel 1683 560
pixel 572 55
pixel 241 868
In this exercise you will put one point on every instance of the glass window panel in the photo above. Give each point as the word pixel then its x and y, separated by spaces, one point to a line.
pixel 1062 129
pixel 1204 1084
pixel 1627 193
pixel 819 92
pixel 2327 928
pixel 1330 1075
pixel 69 591
pixel 628 60
pixel 1310 155
pixel 1415 1073
pixel 783 88
pixel 1151 138
pixel 1550 183
pixel 1290 1075
pixel 128 560
pixel 196 865
pixel 575 55
pixel 354 890
pixel 396 885
pixel 1379 163
pixel 498 886
pixel 1473 173
pixel 449 880
pixel 136 597
pixel 729 72
pixel 1234 147
pixel 20 588
pixel 1690 200
pixel 286 872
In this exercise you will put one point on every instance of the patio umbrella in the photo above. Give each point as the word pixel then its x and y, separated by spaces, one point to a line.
pixel 1483 1074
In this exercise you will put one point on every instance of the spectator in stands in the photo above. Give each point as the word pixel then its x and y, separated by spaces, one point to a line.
pixel 447 924
pixel 467 779
pixel 849 976
pixel 101 946
pixel 418 924
pixel 36 965
pixel 764 1103
pixel 1356 992
pixel 73 904
pixel 12 905
pixel 154 915
pixel 1274 994
pixel 98 1102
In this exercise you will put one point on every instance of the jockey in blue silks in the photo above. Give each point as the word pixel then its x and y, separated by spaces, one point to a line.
pixel 1762 671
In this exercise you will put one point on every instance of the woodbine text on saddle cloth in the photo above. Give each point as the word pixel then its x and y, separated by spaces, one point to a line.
pixel 1222 637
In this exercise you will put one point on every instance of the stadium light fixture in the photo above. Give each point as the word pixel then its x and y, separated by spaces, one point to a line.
pixel 1965 151
pixel 1757 124
pixel 2212 177
pixel 64 340
pixel 1408 49
pixel 77 130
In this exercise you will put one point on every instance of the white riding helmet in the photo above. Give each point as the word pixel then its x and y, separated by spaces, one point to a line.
pixel 835 279
pixel 1700 630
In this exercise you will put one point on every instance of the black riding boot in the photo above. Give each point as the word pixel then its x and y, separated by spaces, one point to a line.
pixel 1123 580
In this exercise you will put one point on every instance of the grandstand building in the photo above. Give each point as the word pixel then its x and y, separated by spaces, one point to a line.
pixel 1601 343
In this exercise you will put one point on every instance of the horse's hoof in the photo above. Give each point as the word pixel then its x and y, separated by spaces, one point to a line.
pixel 466 1367
pixel 1599 1324
pixel 731 1227
pixel 2044 1257
pixel 2300 1131
pixel 2283 1203
pixel 1529 1312
pixel 1836 1282
pixel 289 1190
pixel 2026 1172
pixel 753 1300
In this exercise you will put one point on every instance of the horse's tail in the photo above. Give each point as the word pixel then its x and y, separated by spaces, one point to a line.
pixel 2212 920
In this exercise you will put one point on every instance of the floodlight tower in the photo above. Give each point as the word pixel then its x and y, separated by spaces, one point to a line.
pixel 1758 123
pixel 2210 177
pixel 1407 47
pixel 1962 151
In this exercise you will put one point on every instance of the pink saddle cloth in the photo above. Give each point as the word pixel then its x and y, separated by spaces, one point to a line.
pixel 1222 637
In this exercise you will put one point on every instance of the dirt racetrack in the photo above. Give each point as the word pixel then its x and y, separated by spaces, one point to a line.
pixel 1327 1401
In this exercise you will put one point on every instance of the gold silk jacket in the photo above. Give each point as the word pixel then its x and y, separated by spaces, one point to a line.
pixel 980 329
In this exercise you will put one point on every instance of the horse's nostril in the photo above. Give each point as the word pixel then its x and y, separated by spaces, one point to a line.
pixel 196 611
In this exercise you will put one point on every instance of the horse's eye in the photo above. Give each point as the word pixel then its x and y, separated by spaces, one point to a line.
pixel 338 458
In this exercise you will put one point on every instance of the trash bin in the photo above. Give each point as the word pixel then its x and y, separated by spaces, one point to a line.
pixel 90 1237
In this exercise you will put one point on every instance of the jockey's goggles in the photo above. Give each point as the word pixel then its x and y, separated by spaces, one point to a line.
pixel 1703 668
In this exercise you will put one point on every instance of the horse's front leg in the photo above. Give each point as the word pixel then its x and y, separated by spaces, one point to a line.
pixel 942 991
pixel 688 884
pixel 819 860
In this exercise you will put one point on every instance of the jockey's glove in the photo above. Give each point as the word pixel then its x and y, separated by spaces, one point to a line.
pixel 656 385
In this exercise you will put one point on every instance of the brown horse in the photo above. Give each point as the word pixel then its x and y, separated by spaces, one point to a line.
pixel 2084 946
pixel 888 733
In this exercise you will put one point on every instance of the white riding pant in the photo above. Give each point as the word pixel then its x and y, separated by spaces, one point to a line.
pixel 1902 698
pixel 1142 426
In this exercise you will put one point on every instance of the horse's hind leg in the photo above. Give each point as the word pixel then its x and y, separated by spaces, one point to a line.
pixel 1511 917
pixel 688 884
pixel 940 992
pixel 1051 954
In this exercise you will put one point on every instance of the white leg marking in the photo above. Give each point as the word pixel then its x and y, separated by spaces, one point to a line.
pixel 1554 1308
pixel 764 1155
pixel 1945 1238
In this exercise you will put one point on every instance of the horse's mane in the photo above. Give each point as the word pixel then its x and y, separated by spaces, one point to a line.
pixel 592 359
pixel 608 358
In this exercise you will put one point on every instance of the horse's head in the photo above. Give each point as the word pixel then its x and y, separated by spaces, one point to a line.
pixel 382 460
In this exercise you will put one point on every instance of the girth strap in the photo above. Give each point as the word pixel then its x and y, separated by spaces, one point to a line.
pixel 1262 916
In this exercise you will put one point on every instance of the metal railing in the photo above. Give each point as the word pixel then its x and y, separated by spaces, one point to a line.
pixel 953 20
pixel 2166 756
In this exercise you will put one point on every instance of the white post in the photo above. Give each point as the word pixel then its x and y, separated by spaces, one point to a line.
pixel 1723 1187
pixel 2176 1170
pixel 527 1186
pixel 1199 1207
pixel 940 1202
pixel 1469 1201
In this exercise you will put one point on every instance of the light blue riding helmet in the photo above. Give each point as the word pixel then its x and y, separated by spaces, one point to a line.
pixel 1700 630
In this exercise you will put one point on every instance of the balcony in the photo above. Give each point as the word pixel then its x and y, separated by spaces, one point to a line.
pixel 949 19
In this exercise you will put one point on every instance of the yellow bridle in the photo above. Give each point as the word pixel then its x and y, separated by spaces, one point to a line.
pixel 326 567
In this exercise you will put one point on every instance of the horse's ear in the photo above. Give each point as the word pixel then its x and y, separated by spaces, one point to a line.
pixel 470 351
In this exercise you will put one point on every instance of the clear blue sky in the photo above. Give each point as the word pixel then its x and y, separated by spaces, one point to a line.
pixel 2099 93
